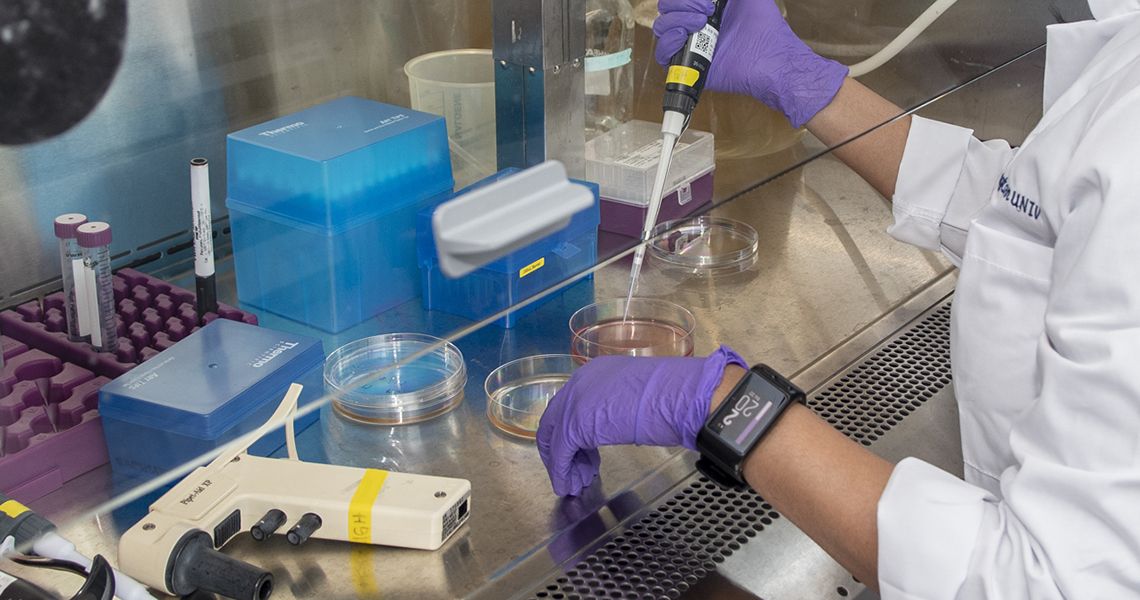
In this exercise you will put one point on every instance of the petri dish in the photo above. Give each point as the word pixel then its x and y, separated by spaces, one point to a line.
pixel 518 391
pixel 706 245
pixel 367 386
pixel 651 328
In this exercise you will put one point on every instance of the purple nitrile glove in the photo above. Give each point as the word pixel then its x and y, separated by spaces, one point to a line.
pixel 757 55
pixel 626 400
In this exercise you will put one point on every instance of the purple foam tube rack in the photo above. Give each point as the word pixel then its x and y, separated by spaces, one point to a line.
pixel 50 431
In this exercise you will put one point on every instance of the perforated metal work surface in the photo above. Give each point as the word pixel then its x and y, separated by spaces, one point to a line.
pixel 670 548
pixel 897 378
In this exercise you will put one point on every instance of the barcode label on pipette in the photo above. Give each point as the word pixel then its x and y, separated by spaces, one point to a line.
pixel 704 42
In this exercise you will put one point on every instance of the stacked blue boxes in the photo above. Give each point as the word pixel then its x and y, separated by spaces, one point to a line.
pixel 513 278
pixel 217 384
pixel 323 208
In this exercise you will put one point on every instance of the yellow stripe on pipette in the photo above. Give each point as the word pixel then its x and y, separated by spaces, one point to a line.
pixel 683 75
pixel 13 509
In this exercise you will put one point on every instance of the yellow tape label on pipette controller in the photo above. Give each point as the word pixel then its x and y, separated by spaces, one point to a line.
pixel 13 509
pixel 360 507
pixel 532 267
pixel 683 75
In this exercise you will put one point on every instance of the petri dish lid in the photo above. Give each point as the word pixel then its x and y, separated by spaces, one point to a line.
pixel 706 245
pixel 395 378
pixel 518 391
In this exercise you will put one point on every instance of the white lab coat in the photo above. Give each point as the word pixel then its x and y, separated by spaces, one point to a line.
pixel 1045 340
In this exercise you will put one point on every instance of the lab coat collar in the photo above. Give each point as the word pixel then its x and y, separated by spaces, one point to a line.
pixel 1106 9
pixel 1071 46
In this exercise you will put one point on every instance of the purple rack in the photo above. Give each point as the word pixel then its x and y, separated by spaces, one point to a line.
pixel 43 369
pixel 629 219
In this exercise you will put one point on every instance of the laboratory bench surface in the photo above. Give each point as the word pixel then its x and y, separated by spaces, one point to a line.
pixel 828 288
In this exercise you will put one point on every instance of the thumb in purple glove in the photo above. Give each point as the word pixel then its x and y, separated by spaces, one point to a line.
pixel 756 54
pixel 626 400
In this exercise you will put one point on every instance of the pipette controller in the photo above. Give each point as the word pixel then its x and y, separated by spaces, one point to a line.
pixel 175 548
pixel 31 531
pixel 684 82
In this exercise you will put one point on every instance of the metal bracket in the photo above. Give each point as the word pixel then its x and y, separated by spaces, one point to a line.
pixel 540 93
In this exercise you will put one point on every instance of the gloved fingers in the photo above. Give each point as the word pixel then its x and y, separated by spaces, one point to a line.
pixel 681 21
pixel 668 44
pixel 704 7
pixel 584 471
pixel 552 421
pixel 567 464
pixel 672 29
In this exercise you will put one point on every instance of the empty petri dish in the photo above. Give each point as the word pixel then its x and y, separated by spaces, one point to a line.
pixel 651 328
pixel 706 245
pixel 395 378
pixel 518 391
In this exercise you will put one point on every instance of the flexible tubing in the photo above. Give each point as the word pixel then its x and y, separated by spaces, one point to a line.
pixel 903 39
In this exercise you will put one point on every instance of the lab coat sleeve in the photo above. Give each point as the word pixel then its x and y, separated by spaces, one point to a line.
pixel 946 176
pixel 1068 525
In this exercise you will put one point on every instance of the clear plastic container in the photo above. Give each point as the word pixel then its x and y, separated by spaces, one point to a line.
pixel 367 386
pixel 609 68
pixel 517 392
pixel 706 245
pixel 342 181
pixel 624 161
pixel 651 328
pixel 459 85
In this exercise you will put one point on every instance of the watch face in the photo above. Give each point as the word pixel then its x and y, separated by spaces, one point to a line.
pixel 739 424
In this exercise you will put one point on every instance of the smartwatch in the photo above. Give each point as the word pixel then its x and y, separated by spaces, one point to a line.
pixel 737 425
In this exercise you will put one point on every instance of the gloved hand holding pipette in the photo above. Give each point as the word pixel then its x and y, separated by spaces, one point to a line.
pixel 742 47
pixel 757 55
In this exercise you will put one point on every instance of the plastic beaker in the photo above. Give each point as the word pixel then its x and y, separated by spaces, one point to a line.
pixel 459 85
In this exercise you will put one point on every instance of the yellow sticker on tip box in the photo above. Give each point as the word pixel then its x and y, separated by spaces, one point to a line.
pixel 683 75
pixel 532 267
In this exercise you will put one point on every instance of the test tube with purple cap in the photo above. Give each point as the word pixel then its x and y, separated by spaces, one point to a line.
pixel 71 268
pixel 95 241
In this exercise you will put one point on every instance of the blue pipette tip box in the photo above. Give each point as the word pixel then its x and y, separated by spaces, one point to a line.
pixel 210 388
pixel 340 163
pixel 509 280
pixel 323 207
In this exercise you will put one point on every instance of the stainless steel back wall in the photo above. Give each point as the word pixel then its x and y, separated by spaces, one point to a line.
pixel 193 71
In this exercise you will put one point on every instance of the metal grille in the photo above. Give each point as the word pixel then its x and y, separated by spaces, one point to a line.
pixel 881 391
pixel 669 549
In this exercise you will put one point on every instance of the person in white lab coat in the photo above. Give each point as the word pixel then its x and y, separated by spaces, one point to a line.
pixel 1045 333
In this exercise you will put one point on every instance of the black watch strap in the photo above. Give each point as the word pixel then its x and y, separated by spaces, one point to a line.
pixel 719 476
pixel 734 429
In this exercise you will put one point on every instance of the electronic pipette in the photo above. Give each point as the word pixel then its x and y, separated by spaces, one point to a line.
pixel 683 85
